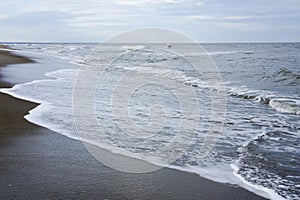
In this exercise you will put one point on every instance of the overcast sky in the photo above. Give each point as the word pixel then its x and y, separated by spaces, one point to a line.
pixel 202 20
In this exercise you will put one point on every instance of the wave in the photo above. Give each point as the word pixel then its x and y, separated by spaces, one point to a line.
pixel 75 53
pixel 216 53
pixel 254 187
pixel 287 77
pixel 291 106
pixel 257 165
pixel 288 105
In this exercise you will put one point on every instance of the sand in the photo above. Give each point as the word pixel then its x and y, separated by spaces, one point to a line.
pixel 6 57
pixel 36 163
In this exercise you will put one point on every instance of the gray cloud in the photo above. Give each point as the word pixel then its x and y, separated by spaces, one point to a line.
pixel 201 19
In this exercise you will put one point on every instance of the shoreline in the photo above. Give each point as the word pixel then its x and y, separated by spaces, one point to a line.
pixel 7 58
pixel 36 162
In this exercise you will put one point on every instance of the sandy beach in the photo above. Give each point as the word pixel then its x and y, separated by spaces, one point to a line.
pixel 36 163
pixel 8 58
pixel 197 99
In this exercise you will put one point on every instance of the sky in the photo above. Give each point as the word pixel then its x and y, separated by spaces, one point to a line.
pixel 98 20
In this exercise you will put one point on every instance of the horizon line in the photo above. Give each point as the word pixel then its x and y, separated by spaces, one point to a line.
pixel 209 42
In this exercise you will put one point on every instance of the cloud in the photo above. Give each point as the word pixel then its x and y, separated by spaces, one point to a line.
pixel 86 23
pixel 145 2
pixel 250 26
pixel 94 19
pixel 133 3
pixel 241 17
pixel 219 17
pixel 2 17
pixel 199 17
pixel 40 18
pixel 200 3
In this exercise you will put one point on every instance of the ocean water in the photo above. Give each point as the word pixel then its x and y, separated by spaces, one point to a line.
pixel 259 147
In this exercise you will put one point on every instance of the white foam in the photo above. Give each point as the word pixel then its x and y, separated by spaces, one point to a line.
pixel 132 47
pixel 41 92
pixel 286 105
pixel 75 53
pixel 212 53
pixel 211 172
pixel 263 133
pixel 260 190
pixel 230 176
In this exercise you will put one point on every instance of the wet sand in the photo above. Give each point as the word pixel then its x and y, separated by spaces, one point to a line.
pixel 36 163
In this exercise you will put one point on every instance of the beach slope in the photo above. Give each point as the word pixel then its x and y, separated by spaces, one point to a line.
pixel 36 163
